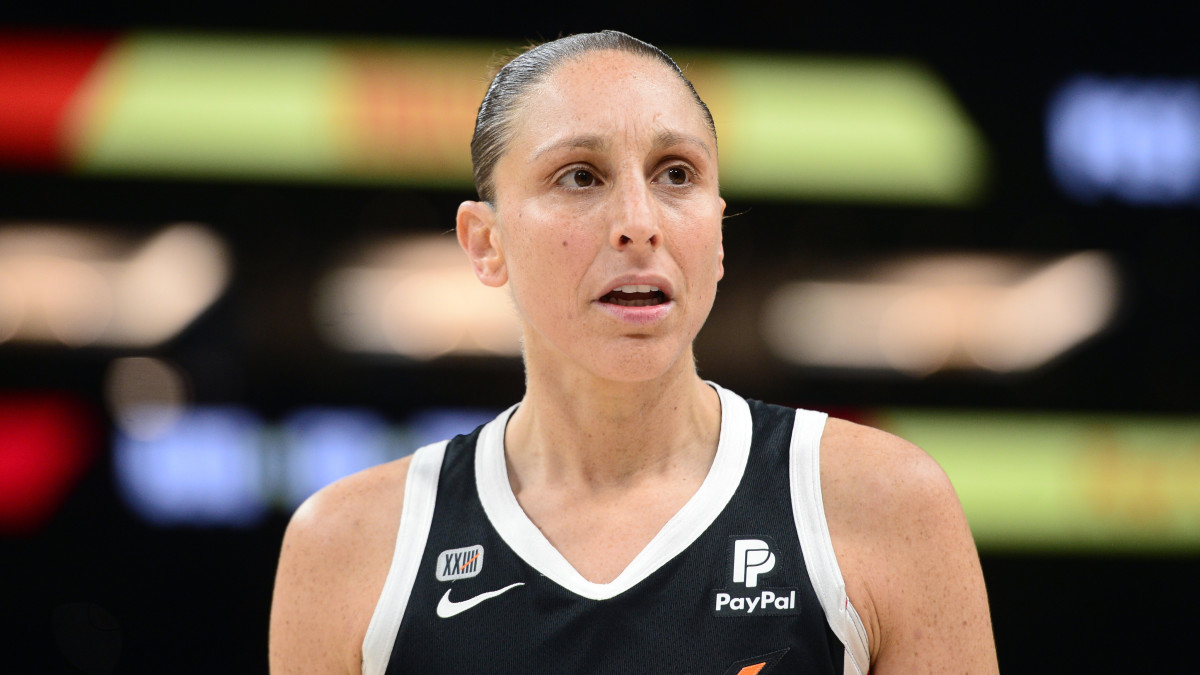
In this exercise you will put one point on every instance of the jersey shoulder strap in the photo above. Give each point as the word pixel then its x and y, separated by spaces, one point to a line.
pixel 416 516
pixel 808 508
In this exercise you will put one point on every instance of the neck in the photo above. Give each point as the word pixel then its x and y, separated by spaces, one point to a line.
pixel 573 428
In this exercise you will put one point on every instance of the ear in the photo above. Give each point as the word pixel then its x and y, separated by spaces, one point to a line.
pixel 478 235
pixel 721 245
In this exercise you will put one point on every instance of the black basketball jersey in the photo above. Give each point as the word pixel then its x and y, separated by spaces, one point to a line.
pixel 742 581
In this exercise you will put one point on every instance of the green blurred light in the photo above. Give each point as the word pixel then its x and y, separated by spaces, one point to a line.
pixel 844 129
pixel 191 105
pixel 403 111
pixel 1067 482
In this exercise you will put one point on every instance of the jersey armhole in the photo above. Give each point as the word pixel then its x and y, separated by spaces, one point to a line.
pixel 808 509
pixel 420 496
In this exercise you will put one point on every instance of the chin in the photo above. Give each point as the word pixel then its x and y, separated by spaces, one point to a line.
pixel 643 363
pixel 619 360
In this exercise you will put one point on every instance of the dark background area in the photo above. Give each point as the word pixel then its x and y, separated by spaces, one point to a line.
pixel 191 600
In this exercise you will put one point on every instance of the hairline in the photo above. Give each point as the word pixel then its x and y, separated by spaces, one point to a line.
pixel 510 113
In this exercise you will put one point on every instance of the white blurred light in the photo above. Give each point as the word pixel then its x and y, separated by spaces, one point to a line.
pixel 167 283
pixel 1137 140
pixel 419 298
pixel 917 330
pixel 1054 309
pixel 75 299
pixel 78 287
pixel 12 304
pixel 325 445
pixel 207 469
pixel 927 314
pixel 145 396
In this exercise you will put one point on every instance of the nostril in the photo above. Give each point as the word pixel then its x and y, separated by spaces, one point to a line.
pixel 626 240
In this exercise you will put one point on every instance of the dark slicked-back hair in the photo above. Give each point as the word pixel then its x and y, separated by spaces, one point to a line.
pixel 513 81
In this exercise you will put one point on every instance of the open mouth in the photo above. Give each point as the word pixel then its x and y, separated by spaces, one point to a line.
pixel 635 296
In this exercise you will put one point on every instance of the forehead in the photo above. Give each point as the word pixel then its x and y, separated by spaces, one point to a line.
pixel 608 92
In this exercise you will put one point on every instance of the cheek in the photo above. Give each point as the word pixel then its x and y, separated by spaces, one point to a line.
pixel 561 232
pixel 547 257
pixel 703 246
pixel 564 256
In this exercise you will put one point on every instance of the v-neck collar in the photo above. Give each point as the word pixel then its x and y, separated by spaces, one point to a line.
pixel 528 542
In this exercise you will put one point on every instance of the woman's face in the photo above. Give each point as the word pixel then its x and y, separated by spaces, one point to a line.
pixel 607 222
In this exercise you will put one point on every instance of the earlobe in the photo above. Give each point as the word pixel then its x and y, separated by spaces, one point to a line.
pixel 479 237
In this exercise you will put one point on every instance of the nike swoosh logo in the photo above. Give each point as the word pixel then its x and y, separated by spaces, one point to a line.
pixel 447 608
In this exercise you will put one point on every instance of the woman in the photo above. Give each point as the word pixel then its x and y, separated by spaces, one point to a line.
pixel 626 516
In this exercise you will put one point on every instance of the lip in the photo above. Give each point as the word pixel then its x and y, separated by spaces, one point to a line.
pixel 638 315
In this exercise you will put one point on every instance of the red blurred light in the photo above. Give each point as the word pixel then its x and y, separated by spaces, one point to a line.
pixel 39 77
pixel 47 441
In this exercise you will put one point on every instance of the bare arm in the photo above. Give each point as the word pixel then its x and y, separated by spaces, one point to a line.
pixel 907 555
pixel 332 566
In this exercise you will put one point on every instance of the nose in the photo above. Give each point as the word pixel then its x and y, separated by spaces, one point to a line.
pixel 635 223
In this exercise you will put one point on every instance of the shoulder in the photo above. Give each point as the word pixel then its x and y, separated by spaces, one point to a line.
pixel 334 560
pixel 886 495
pixel 356 515
pixel 349 507
pixel 869 472
pixel 905 550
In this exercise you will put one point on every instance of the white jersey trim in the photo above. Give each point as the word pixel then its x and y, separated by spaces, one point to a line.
pixel 416 516
pixel 808 507
pixel 528 542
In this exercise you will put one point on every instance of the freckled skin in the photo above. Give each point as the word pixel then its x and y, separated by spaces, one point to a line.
pixel 906 554
pixel 616 430
pixel 555 289
pixel 649 205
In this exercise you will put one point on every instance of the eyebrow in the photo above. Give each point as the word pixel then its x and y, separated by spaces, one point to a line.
pixel 664 139
pixel 587 141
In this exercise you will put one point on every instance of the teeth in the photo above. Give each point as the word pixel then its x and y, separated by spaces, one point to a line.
pixel 639 288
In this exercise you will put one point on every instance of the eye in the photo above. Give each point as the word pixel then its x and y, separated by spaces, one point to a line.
pixel 578 178
pixel 676 175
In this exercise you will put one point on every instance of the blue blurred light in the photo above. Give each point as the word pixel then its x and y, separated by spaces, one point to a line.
pixel 1134 140
pixel 207 469
pixel 324 445
pixel 436 424
pixel 223 466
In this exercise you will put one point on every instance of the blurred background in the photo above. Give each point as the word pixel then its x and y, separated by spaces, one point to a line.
pixel 228 277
